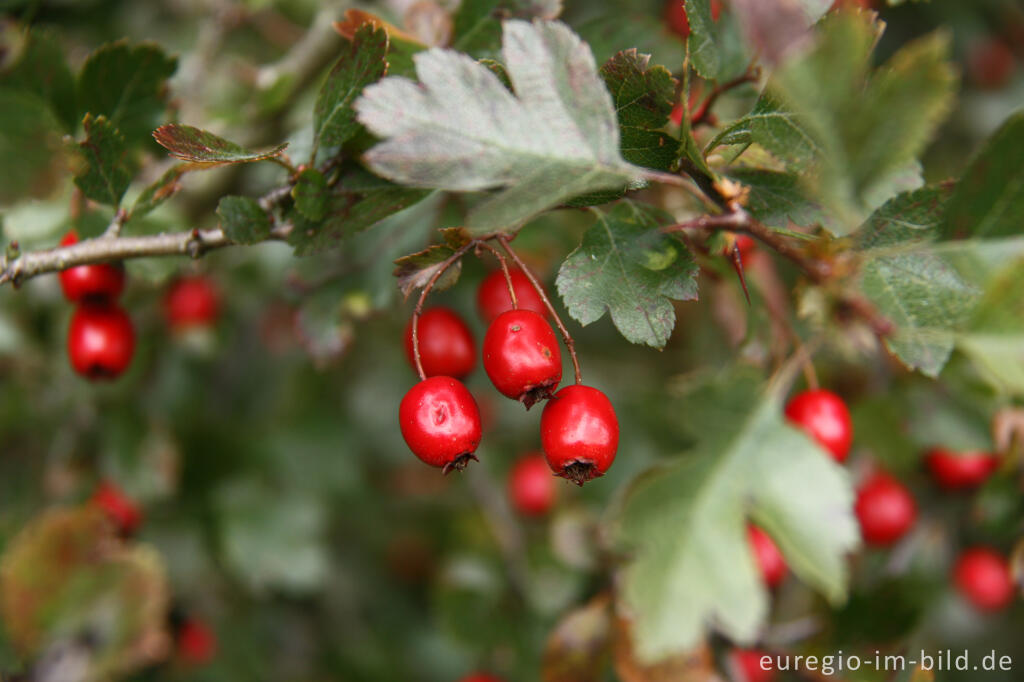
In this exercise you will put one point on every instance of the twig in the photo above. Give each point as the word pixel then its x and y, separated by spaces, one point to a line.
pixel 193 243
pixel 703 113
pixel 442 268
pixel 114 228
pixel 566 336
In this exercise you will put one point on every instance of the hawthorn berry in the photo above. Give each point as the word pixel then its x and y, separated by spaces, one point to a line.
pixel 521 356
pixel 957 471
pixel 746 665
pixel 824 416
pixel 196 642
pixel 885 508
pixel 579 433
pixel 745 244
pixel 769 559
pixel 983 577
pixel 440 422
pixel 492 297
pixel 446 344
pixel 90 283
pixel 101 341
pixel 531 487
pixel 122 511
pixel 990 64
pixel 675 15
pixel 191 302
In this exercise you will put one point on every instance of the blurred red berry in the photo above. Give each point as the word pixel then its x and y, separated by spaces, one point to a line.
pixel 93 283
pixel 826 418
pixel 983 577
pixel 746 665
pixel 101 341
pixel 492 297
pixel 769 559
pixel 122 511
pixel 958 471
pixel 446 344
pixel 197 642
pixel 990 64
pixel 191 302
pixel 885 508
pixel 531 486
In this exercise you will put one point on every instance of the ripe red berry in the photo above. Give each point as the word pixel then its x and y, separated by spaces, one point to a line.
pixel 531 487
pixel 675 16
pixel 746 665
pixel 119 508
pixel 440 422
pixel 521 356
pixel 93 283
pixel 983 577
pixel 492 297
pixel 191 302
pixel 197 643
pixel 101 341
pixel 825 417
pixel 769 559
pixel 957 471
pixel 579 433
pixel 446 344
pixel 885 508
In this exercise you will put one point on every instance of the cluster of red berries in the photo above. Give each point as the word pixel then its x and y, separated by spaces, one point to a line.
pixel 439 417
pixel 101 338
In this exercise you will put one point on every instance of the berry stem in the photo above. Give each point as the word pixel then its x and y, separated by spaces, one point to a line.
pixel 504 269
pixel 703 112
pixel 566 336
pixel 427 288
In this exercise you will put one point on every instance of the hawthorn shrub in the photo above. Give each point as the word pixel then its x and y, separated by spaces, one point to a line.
pixel 314 315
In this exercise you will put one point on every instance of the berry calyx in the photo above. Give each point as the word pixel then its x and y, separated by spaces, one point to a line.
pixel 885 508
pixel 746 665
pixel 521 356
pixel 440 423
pixel 492 297
pixel 769 559
pixel 824 416
pixel 531 487
pixel 191 302
pixel 983 577
pixel 196 642
pixel 446 344
pixel 101 341
pixel 90 283
pixel 579 433
pixel 122 511
pixel 959 471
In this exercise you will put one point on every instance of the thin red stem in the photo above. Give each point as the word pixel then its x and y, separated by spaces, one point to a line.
pixel 504 269
pixel 566 336
pixel 447 263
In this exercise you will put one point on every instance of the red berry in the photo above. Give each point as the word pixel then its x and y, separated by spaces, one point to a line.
pixel 191 302
pixel 531 487
pixel 446 344
pixel 119 508
pixel 94 283
pixel 716 9
pixel 769 558
pixel 745 244
pixel 197 643
pixel 825 417
pixel 983 577
pixel 746 665
pixel 492 297
pixel 101 341
pixel 521 356
pixel 956 471
pixel 990 64
pixel 885 508
pixel 579 433
pixel 440 422
pixel 677 113
pixel 675 15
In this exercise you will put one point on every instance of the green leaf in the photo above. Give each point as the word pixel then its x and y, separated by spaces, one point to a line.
pixel 108 168
pixel 684 525
pixel 159 191
pixel 989 199
pixel 643 96
pixel 994 336
pixel 415 270
pixel 42 69
pixel 718 50
pixel 200 146
pixel 242 220
pixel 776 198
pixel 460 129
pixel 625 266
pixel 311 194
pixel 477 28
pixel 127 84
pixel 359 201
pixel 32 154
pixel 363 61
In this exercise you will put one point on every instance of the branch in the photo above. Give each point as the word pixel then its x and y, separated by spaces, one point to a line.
pixel 703 113
pixel 193 243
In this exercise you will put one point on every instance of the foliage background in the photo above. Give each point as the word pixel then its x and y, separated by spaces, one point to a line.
pixel 279 496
